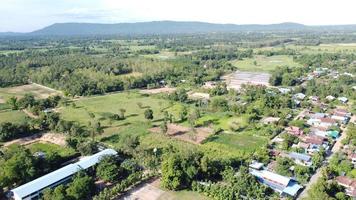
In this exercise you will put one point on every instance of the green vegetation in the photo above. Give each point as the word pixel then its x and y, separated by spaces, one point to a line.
pixel 49 148
pixel 244 141
pixel 264 63
pixel 15 116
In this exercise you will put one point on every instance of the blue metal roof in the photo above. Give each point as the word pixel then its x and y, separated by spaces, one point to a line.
pixel 300 156
pixel 292 188
pixel 62 173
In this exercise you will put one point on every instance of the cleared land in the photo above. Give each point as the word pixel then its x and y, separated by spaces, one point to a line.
pixel 186 134
pixel 38 91
pixel 158 90
pixel 57 139
pixel 262 63
pixel 238 78
pixel 152 191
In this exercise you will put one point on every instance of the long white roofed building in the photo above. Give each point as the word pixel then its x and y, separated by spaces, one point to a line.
pixel 33 189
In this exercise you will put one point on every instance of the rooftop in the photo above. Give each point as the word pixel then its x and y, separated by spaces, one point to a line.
pixel 300 156
pixel 56 176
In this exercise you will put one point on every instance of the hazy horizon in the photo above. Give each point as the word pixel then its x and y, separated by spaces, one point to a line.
pixel 30 15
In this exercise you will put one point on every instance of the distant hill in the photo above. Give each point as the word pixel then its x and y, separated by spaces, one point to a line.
pixel 168 27
pixel 158 27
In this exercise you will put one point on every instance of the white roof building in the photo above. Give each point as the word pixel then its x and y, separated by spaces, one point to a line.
pixel 34 188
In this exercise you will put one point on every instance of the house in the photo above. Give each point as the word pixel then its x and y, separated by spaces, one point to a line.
pixel 284 90
pixel 343 99
pixel 315 143
pixel 341 118
pixel 314 121
pixel 299 96
pixel 348 74
pixel 284 185
pixel 318 115
pixel 270 120
pixel 33 189
pixel 341 112
pixel 293 130
pixel 319 72
pixel 209 85
pixel 301 159
pixel 352 157
pixel 314 98
pixel 327 122
pixel 333 134
pixel 319 131
pixel 348 183
pixel 256 165
pixel 330 98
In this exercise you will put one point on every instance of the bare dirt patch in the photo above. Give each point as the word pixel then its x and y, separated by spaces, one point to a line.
pixel 158 90
pixel 196 136
pixel 147 191
pixel 54 138
pixel 2 100
pixel 238 78
pixel 37 90
pixel 198 95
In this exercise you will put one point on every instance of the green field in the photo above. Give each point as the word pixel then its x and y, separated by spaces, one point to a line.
pixel 221 120
pixel 264 63
pixel 243 141
pixel 14 116
pixel 50 148
pixel 104 107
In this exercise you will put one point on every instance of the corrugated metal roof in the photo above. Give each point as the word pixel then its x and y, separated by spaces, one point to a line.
pixel 292 188
pixel 300 156
pixel 53 177
pixel 271 176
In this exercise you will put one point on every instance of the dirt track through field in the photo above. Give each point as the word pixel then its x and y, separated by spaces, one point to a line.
pixel 54 138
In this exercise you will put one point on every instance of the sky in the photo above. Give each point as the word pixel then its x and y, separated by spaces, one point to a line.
pixel 30 15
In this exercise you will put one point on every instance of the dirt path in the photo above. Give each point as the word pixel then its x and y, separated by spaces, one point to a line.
pixel 47 88
pixel 28 113
pixel 54 138
pixel 147 191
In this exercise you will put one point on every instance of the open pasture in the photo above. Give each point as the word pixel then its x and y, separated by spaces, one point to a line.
pixel 14 116
pixel 103 108
pixel 243 141
pixel 260 63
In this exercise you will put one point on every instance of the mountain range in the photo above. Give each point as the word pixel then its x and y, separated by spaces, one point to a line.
pixel 168 27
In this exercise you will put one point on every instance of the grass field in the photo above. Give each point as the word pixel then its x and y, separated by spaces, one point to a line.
pixel 15 116
pixel 221 120
pixel 49 148
pixel 19 91
pixel 104 107
pixel 243 141
pixel 264 63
